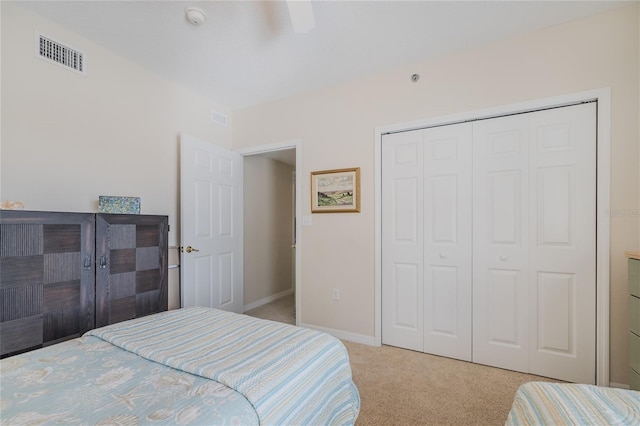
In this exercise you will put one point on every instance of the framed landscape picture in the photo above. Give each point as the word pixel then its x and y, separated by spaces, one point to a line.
pixel 335 191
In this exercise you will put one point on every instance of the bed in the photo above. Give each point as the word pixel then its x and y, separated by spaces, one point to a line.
pixel 543 403
pixel 186 366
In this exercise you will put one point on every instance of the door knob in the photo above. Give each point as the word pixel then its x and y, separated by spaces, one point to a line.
pixel 442 255
pixel 190 249
pixel 503 258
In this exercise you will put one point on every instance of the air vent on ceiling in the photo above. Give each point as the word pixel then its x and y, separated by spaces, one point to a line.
pixel 218 117
pixel 56 52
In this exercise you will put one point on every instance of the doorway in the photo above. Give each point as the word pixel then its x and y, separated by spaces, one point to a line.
pixel 271 235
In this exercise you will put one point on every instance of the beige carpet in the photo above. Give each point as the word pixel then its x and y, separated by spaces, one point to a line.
pixel 281 310
pixel 403 387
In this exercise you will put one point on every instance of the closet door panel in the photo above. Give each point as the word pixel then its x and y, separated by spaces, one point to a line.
pixel 402 240
pixel 503 287
pixel 555 313
pixel 447 241
pixel 503 203
pixel 563 247
pixel 500 240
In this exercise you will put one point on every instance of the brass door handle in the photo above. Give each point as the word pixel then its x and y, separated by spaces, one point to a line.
pixel 190 249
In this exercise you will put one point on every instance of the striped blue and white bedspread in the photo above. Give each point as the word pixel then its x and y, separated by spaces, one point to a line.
pixel 87 381
pixel 541 403
pixel 291 375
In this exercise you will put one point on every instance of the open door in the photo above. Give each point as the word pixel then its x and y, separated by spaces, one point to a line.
pixel 211 225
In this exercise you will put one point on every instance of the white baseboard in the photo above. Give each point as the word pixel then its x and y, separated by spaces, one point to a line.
pixel 618 385
pixel 344 335
pixel 266 300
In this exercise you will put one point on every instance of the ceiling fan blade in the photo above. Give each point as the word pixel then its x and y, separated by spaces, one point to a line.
pixel 301 15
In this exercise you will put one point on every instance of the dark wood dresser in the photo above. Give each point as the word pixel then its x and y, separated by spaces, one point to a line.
pixel 62 274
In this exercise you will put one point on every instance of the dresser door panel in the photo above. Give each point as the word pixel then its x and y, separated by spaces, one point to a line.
pixel 131 257
pixel 46 278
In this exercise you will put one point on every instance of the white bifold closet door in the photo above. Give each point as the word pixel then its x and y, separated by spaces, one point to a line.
pixel 426 240
pixel 534 229
pixel 488 241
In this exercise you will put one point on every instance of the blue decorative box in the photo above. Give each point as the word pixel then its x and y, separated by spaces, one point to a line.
pixel 111 204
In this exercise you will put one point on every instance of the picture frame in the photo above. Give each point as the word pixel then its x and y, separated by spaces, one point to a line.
pixel 118 205
pixel 335 191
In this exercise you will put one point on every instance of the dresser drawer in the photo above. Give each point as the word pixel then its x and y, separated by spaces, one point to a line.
pixel 634 380
pixel 634 352
pixel 634 277
pixel 634 314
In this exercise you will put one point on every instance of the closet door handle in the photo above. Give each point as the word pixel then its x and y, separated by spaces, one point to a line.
pixel 87 263
pixel 103 262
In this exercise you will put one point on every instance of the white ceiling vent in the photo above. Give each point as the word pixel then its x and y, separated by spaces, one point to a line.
pixel 56 52
pixel 218 117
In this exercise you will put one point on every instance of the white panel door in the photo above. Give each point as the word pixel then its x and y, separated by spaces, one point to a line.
pixel 211 223
pixel 562 245
pixel 501 242
pixel 402 240
pixel 447 241
pixel 500 270
pixel 534 239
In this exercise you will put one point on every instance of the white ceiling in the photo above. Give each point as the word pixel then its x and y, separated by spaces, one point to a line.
pixel 246 52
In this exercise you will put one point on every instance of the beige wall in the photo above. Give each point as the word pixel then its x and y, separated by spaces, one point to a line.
pixel 268 228
pixel 336 126
pixel 65 138
pixel 68 138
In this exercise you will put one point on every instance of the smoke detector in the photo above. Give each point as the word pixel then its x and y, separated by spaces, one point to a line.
pixel 194 15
